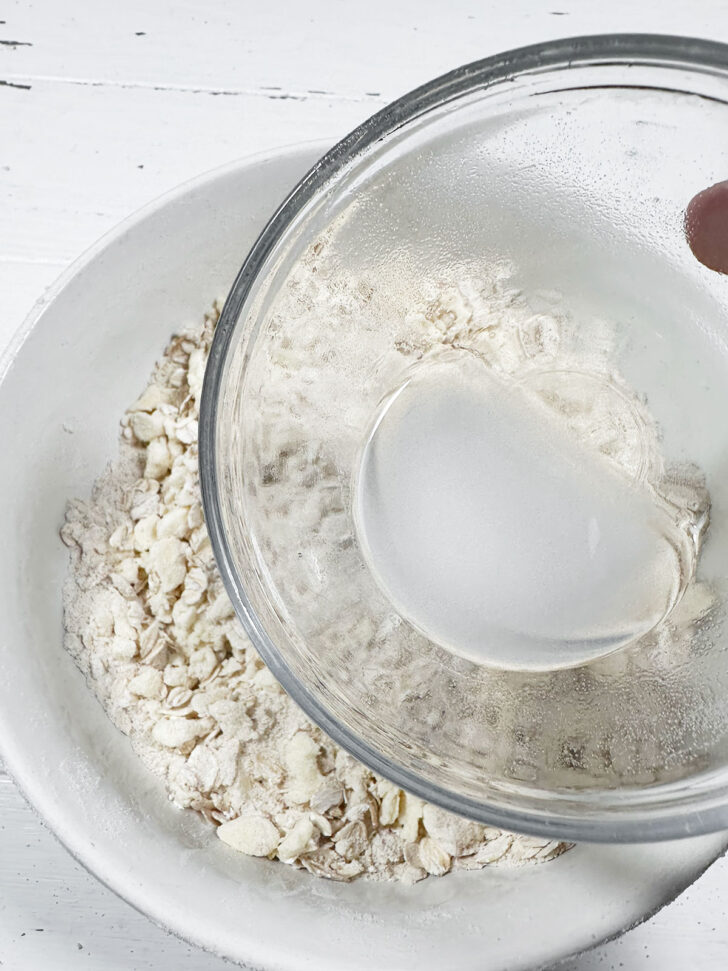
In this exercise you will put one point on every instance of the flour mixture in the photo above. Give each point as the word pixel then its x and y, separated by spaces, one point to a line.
pixel 151 627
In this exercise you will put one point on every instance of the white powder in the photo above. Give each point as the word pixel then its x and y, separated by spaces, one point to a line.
pixel 150 625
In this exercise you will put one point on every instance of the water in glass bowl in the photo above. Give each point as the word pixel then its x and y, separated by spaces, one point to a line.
pixel 503 535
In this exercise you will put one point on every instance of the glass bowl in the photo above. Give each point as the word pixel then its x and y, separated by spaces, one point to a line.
pixel 463 447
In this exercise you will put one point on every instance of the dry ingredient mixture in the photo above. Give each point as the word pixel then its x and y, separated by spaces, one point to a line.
pixel 150 625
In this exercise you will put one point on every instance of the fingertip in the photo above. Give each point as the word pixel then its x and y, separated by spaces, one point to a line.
pixel 706 227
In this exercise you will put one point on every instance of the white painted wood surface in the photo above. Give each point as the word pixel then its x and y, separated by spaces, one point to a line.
pixel 104 105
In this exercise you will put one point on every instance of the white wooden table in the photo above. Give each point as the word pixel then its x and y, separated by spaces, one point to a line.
pixel 104 105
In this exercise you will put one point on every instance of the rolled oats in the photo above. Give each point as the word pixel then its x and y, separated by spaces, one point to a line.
pixel 297 840
pixel 433 858
pixel 254 835
pixel 148 621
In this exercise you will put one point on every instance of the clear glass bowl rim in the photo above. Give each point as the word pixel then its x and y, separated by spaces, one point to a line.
pixel 696 810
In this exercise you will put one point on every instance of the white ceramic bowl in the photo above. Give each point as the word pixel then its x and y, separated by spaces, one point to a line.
pixel 81 357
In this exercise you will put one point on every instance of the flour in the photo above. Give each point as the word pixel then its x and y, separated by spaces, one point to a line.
pixel 150 625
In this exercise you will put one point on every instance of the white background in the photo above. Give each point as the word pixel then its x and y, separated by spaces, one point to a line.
pixel 104 105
